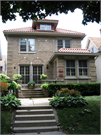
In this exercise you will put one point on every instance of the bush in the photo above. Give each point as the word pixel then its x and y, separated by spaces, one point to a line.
pixel 64 92
pixel 45 85
pixel 86 89
pixel 68 102
pixel 16 76
pixel 3 78
pixel 31 83
pixel 4 88
pixel 9 101
pixel 43 76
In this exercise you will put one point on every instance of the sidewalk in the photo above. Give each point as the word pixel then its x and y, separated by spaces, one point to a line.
pixel 34 101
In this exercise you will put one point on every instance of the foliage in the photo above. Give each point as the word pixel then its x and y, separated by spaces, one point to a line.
pixel 43 76
pixel 6 121
pixel 9 101
pixel 16 76
pixel 34 9
pixel 13 86
pixel 81 120
pixel 64 92
pixel 86 89
pixel 31 83
pixel 4 88
pixel 67 101
pixel 3 78
pixel 45 85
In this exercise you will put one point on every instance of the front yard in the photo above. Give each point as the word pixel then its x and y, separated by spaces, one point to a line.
pixel 81 120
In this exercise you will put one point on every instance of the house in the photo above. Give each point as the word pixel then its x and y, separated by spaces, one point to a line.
pixel 45 49
pixel 94 44
pixel 0 52
pixel 3 65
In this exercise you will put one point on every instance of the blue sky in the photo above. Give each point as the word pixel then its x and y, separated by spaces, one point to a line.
pixel 71 21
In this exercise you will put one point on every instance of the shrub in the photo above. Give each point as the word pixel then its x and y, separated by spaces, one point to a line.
pixel 45 85
pixel 68 101
pixel 4 88
pixel 63 92
pixel 3 78
pixel 16 76
pixel 86 89
pixel 31 83
pixel 43 76
pixel 9 101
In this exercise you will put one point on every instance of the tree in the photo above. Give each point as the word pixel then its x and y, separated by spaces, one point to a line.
pixel 41 9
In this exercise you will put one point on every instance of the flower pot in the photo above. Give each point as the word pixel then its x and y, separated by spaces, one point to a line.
pixel 31 87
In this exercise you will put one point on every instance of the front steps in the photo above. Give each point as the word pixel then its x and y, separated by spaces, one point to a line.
pixel 30 119
pixel 30 93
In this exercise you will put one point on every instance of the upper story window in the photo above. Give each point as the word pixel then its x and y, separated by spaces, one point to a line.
pixel 63 44
pixel 45 27
pixel 83 68
pixel 27 45
pixel 70 68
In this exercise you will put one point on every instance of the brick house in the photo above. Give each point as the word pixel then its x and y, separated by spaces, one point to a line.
pixel 46 49
pixel 94 44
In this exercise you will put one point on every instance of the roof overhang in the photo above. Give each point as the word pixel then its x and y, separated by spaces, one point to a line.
pixel 7 33
pixel 56 54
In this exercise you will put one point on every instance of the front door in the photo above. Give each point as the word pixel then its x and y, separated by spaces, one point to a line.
pixel 37 71
pixel 25 72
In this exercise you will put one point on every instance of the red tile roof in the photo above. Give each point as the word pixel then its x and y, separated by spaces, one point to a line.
pixel 58 30
pixel 75 50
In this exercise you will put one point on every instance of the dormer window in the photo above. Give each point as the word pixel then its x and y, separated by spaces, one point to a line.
pixel 45 27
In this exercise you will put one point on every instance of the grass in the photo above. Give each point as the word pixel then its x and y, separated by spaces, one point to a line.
pixel 78 121
pixel 6 121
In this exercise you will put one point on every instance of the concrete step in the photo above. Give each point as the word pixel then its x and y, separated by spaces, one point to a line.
pixel 34 107
pixel 35 117
pixel 28 112
pixel 35 123
pixel 34 129
pixel 24 89
pixel 31 91
pixel 31 96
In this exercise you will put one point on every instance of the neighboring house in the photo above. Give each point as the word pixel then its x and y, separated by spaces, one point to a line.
pixel 0 52
pixel 45 49
pixel 94 44
pixel 3 65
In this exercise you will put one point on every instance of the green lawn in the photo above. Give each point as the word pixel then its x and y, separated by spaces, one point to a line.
pixel 6 121
pixel 78 121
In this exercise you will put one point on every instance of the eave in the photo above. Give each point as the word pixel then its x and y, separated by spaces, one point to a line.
pixel 7 33
pixel 55 54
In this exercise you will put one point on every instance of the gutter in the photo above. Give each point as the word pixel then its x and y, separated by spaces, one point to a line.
pixel 43 34
pixel 71 54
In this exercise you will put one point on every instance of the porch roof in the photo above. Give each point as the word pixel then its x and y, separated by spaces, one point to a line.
pixel 72 52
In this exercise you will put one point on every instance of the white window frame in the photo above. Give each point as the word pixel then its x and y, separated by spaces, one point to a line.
pixel 26 45
pixel 83 68
pixel 64 46
pixel 45 25
pixel 71 68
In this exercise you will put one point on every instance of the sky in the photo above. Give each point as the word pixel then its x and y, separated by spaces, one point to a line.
pixel 70 21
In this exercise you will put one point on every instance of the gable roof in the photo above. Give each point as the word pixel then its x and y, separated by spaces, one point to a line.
pixel 96 41
pixel 75 50
pixel 30 30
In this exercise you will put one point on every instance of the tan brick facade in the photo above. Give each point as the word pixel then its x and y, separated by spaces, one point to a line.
pixel 44 49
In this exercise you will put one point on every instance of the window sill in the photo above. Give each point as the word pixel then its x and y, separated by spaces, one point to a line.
pixel 27 52
pixel 80 77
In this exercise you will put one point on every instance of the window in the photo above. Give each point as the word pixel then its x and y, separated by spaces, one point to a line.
pixel 27 45
pixel 92 49
pixel 83 69
pixel 63 44
pixel 45 27
pixel 70 67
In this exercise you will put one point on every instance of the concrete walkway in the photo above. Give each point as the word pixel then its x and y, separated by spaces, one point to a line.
pixel 36 102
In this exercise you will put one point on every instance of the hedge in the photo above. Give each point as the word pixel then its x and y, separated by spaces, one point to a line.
pixel 86 89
